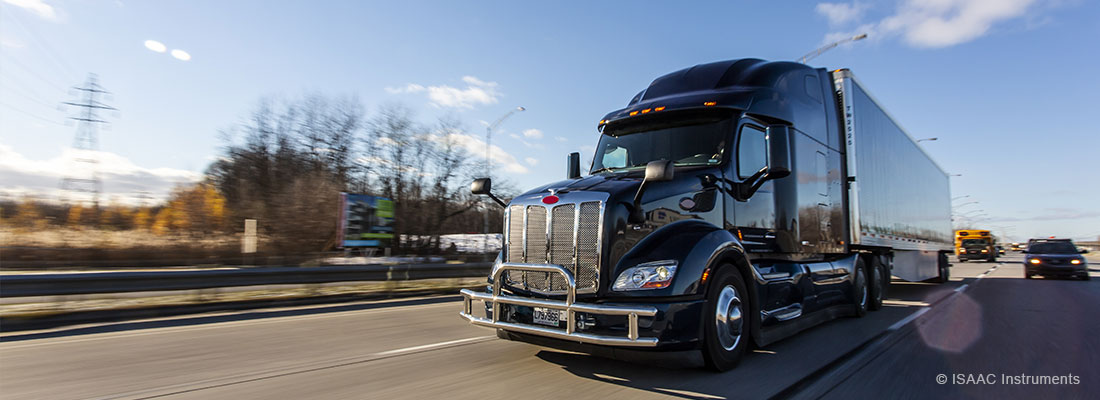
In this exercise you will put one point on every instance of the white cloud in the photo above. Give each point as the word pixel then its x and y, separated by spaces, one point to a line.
pixel 561 139
pixel 11 43
pixel 37 7
pixel 942 23
pixel 155 46
pixel 119 176
pixel 477 92
pixel 526 143
pixel 841 13
pixel 531 161
pixel 532 134
pixel 501 159
pixel 181 55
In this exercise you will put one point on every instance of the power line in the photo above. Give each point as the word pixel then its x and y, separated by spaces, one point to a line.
pixel 58 61
pixel 44 119
pixel 36 75
pixel 27 95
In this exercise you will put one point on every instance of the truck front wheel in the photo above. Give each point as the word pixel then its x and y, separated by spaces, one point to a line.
pixel 726 322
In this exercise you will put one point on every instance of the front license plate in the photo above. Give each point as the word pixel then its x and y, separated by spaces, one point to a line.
pixel 547 316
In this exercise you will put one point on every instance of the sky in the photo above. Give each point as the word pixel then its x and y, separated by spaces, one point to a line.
pixel 1003 85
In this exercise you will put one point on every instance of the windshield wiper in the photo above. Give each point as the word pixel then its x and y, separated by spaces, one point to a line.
pixel 607 169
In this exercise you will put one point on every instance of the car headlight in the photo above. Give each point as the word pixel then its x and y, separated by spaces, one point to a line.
pixel 650 275
pixel 1075 262
pixel 1033 261
pixel 985 251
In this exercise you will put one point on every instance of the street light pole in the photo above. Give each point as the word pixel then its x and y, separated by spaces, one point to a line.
pixel 829 46
pixel 488 169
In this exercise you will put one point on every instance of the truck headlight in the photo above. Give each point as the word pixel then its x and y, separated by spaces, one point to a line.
pixel 985 251
pixel 1075 262
pixel 1033 261
pixel 650 275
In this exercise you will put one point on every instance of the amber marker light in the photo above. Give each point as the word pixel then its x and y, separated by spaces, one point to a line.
pixel 647 110
pixel 661 108
pixel 633 113
pixel 710 103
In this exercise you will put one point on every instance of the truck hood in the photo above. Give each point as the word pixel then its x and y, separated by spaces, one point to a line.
pixel 609 183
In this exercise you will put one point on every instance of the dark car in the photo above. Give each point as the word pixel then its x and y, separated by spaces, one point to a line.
pixel 1055 257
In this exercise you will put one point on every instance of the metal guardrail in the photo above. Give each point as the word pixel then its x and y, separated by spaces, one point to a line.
pixel 123 282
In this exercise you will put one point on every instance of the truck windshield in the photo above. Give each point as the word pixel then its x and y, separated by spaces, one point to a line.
pixel 974 242
pixel 694 143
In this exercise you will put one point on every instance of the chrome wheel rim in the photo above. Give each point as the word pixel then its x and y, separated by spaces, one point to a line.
pixel 727 318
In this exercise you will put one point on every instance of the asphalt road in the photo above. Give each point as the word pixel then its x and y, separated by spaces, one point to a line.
pixel 420 348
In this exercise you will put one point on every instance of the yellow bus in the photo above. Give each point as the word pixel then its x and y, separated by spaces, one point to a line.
pixel 974 244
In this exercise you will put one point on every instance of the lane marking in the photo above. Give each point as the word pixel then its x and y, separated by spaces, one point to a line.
pixel 918 313
pixel 215 325
pixel 431 346
pixel 907 320
pixel 187 387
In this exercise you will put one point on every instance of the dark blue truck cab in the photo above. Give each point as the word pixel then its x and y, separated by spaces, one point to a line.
pixel 722 207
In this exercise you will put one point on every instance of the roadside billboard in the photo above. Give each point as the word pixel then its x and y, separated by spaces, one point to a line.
pixel 365 220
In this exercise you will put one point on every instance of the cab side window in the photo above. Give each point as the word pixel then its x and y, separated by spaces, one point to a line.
pixel 752 151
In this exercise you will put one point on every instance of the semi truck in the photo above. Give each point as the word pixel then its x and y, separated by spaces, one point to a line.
pixel 728 205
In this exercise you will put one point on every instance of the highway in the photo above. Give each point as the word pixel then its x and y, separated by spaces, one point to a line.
pixel 987 320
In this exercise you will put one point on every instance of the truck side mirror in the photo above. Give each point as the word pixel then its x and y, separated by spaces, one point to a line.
pixel 658 171
pixel 481 186
pixel 573 166
pixel 779 151
pixel 484 186
pixel 655 171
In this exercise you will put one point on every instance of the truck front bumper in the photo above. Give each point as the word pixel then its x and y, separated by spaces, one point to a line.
pixel 572 330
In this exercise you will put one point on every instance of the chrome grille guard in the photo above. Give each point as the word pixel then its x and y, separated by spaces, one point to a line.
pixel 569 306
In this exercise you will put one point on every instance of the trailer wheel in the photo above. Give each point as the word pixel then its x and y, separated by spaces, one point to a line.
pixel 945 272
pixel 726 321
pixel 861 295
pixel 879 281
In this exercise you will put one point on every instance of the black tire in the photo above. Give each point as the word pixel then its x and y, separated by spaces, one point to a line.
pixel 861 295
pixel 1027 275
pixel 944 269
pixel 1086 277
pixel 962 260
pixel 880 280
pixel 718 351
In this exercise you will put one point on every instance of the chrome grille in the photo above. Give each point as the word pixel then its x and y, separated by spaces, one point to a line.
pixel 566 234
pixel 588 254
pixel 561 242
pixel 514 238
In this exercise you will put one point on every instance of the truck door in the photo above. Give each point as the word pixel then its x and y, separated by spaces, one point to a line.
pixel 753 220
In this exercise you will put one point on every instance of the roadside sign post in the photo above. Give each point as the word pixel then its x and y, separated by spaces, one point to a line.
pixel 248 240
